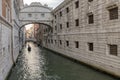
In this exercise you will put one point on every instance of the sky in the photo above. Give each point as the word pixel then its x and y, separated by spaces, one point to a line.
pixel 51 3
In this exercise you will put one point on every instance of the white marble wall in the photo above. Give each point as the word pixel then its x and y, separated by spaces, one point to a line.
pixel 5 55
pixel 101 33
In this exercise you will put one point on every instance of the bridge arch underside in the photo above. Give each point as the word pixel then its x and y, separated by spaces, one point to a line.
pixel 30 40
pixel 46 24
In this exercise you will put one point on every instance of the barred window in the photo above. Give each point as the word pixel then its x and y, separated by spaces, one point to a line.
pixel 67 43
pixel 55 16
pixel 77 22
pixel 67 23
pixel 76 44
pixel 60 26
pixel 91 47
pixel 60 14
pixel 76 4
pixel 67 9
pixel 55 42
pixel 113 50
pixel 113 13
pixel 91 19
pixel 60 42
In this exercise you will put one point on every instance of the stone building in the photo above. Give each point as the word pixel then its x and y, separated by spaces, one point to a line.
pixel 16 7
pixel 88 31
pixel 8 35
pixel 37 14
pixel 6 38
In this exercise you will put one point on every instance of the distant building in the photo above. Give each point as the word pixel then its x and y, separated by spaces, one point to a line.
pixel 30 33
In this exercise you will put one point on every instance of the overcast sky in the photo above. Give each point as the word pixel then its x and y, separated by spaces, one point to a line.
pixel 51 3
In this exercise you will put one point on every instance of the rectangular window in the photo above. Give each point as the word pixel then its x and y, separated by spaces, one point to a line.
pixel 48 41
pixel 51 41
pixel 113 13
pixel 55 42
pixel 77 4
pixel 60 26
pixel 76 44
pixel 77 22
pixel 113 50
pixel 55 16
pixel 60 42
pixel 90 0
pixel 67 23
pixel 67 43
pixel 67 9
pixel 60 14
pixel 90 46
pixel 55 27
pixel 91 19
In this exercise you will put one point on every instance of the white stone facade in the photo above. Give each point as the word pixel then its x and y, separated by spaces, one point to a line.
pixel 35 13
pixel 5 49
pixel 9 38
pixel 102 33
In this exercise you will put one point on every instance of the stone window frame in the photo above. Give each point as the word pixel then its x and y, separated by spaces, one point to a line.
pixel 67 43
pixel 61 14
pixel 67 24
pixel 56 28
pixel 77 22
pixel 55 41
pixel 60 41
pixel 111 17
pixel 55 16
pixel 76 44
pixel 67 10
pixel 90 15
pixel 51 41
pixel 90 46
pixel 109 50
pixel 77 4
pixel 60 26
pixel 8 15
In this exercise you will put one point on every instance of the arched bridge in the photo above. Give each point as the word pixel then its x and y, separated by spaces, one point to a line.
pixel 35 13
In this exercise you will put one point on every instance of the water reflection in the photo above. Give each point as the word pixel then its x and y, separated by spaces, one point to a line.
pixel 41 64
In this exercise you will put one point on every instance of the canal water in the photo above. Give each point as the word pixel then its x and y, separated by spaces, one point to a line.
pixel 41 64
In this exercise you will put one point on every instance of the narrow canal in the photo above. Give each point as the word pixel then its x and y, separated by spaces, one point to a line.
pixel 41 64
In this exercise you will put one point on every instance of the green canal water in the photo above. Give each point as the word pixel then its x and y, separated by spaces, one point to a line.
pixel 41 64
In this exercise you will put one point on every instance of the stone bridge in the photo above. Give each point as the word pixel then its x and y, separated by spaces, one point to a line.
pixel 35 13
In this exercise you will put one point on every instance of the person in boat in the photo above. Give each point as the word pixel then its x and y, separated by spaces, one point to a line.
pixel 29 48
